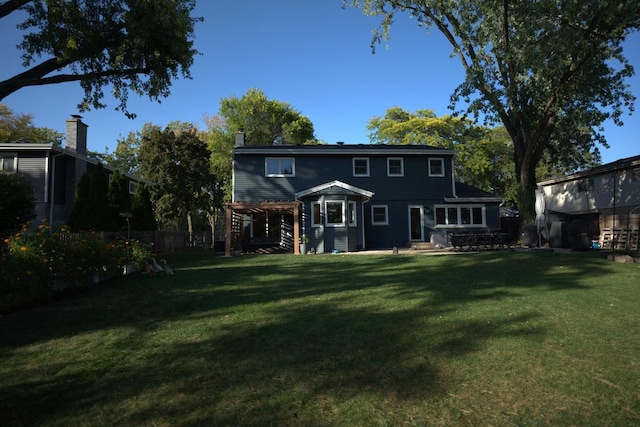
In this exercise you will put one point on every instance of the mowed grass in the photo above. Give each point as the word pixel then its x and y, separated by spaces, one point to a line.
pixel 504 338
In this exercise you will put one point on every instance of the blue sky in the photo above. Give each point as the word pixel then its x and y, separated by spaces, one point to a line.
pixel 309 53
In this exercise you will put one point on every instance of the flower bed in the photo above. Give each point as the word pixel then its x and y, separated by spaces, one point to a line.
pixel 35 264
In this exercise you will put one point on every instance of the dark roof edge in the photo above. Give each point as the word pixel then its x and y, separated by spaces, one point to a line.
pixel 598 170
pixel 341 149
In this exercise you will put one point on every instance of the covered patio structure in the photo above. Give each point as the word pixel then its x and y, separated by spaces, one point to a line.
pixel 236 210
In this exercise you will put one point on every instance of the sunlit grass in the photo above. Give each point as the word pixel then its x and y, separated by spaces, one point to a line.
pixel 469 339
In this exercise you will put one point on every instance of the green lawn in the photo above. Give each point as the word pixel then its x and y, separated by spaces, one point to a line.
pixel 504 338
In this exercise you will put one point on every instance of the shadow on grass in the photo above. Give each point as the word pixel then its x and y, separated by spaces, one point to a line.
pixel 271 340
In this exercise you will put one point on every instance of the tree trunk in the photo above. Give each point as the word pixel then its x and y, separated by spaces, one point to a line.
pixel 190 227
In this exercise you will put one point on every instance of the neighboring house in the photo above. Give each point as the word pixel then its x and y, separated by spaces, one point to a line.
pixel 351 197
pixel 53 171
pixel 604 198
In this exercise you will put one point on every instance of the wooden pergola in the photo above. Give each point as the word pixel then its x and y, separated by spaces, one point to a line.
pixel 248 208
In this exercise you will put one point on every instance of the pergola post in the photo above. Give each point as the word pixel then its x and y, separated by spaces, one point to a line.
pixel 229 235
pixel 296 229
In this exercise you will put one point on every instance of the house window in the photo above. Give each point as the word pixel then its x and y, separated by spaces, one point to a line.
pixel 460 216
pixel 335 213
pixel 316 215
pixel 395 166
pixel 352 214
pixel 8 163
pixel 133 186
pixel 436 167
pixel 379 215
pixel 277 167
pixel 360 166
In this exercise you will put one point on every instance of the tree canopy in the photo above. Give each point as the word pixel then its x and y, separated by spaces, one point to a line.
pixel 551 72
pixel 137 46
pixel 265 121
pixel 177 161
pixel 20 128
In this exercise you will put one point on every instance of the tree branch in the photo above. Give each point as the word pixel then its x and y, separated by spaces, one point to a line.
pixel 10 6
pixel 35 76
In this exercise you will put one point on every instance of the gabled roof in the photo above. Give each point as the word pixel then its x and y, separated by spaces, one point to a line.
pixel 327 187
pixel 466 193
pixel 621 164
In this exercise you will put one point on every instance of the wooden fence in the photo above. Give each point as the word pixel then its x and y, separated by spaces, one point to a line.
pixel 160 241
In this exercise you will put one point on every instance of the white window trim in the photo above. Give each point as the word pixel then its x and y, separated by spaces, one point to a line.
pixel 133 186
pixel 401 166
pixel 313 223
pixel 279 175
pixel 326 216
pixel 354 166
pixel 352 207
pixel 441 163
pixel 386 215
pixel 7 157
pixel 458 208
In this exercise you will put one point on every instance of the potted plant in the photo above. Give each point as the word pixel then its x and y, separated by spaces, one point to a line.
pixel 303 244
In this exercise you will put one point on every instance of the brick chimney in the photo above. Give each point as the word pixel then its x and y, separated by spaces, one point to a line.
pixel 76 135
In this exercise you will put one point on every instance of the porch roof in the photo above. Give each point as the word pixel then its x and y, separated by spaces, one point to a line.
pixel 332 185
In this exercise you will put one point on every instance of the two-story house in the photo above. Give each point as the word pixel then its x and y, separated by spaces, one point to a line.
pixel 351 197
pixel 54 172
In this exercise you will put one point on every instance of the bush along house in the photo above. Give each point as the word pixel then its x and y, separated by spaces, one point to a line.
pixel 343 198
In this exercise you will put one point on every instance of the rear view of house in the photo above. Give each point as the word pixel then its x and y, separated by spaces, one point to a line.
pixel 351 197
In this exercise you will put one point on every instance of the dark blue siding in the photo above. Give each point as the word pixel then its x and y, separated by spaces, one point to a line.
pixel 414 188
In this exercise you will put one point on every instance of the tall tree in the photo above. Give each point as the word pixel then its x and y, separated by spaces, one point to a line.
pixel 78 219
pixel 119 200
pixel 142 217
pixel 99 211
pixel 265 121
pixel 17 203
pixel 177 161
pixel 20 128
pixel 550 71
pixel 133 45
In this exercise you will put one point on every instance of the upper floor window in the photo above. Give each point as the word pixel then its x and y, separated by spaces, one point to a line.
pixel 379 215
pixel 280 166
pixel 8 163
pixel 133 186
pixel 360 166
pixel 436 167
pixel 460 215
pixel 395 166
